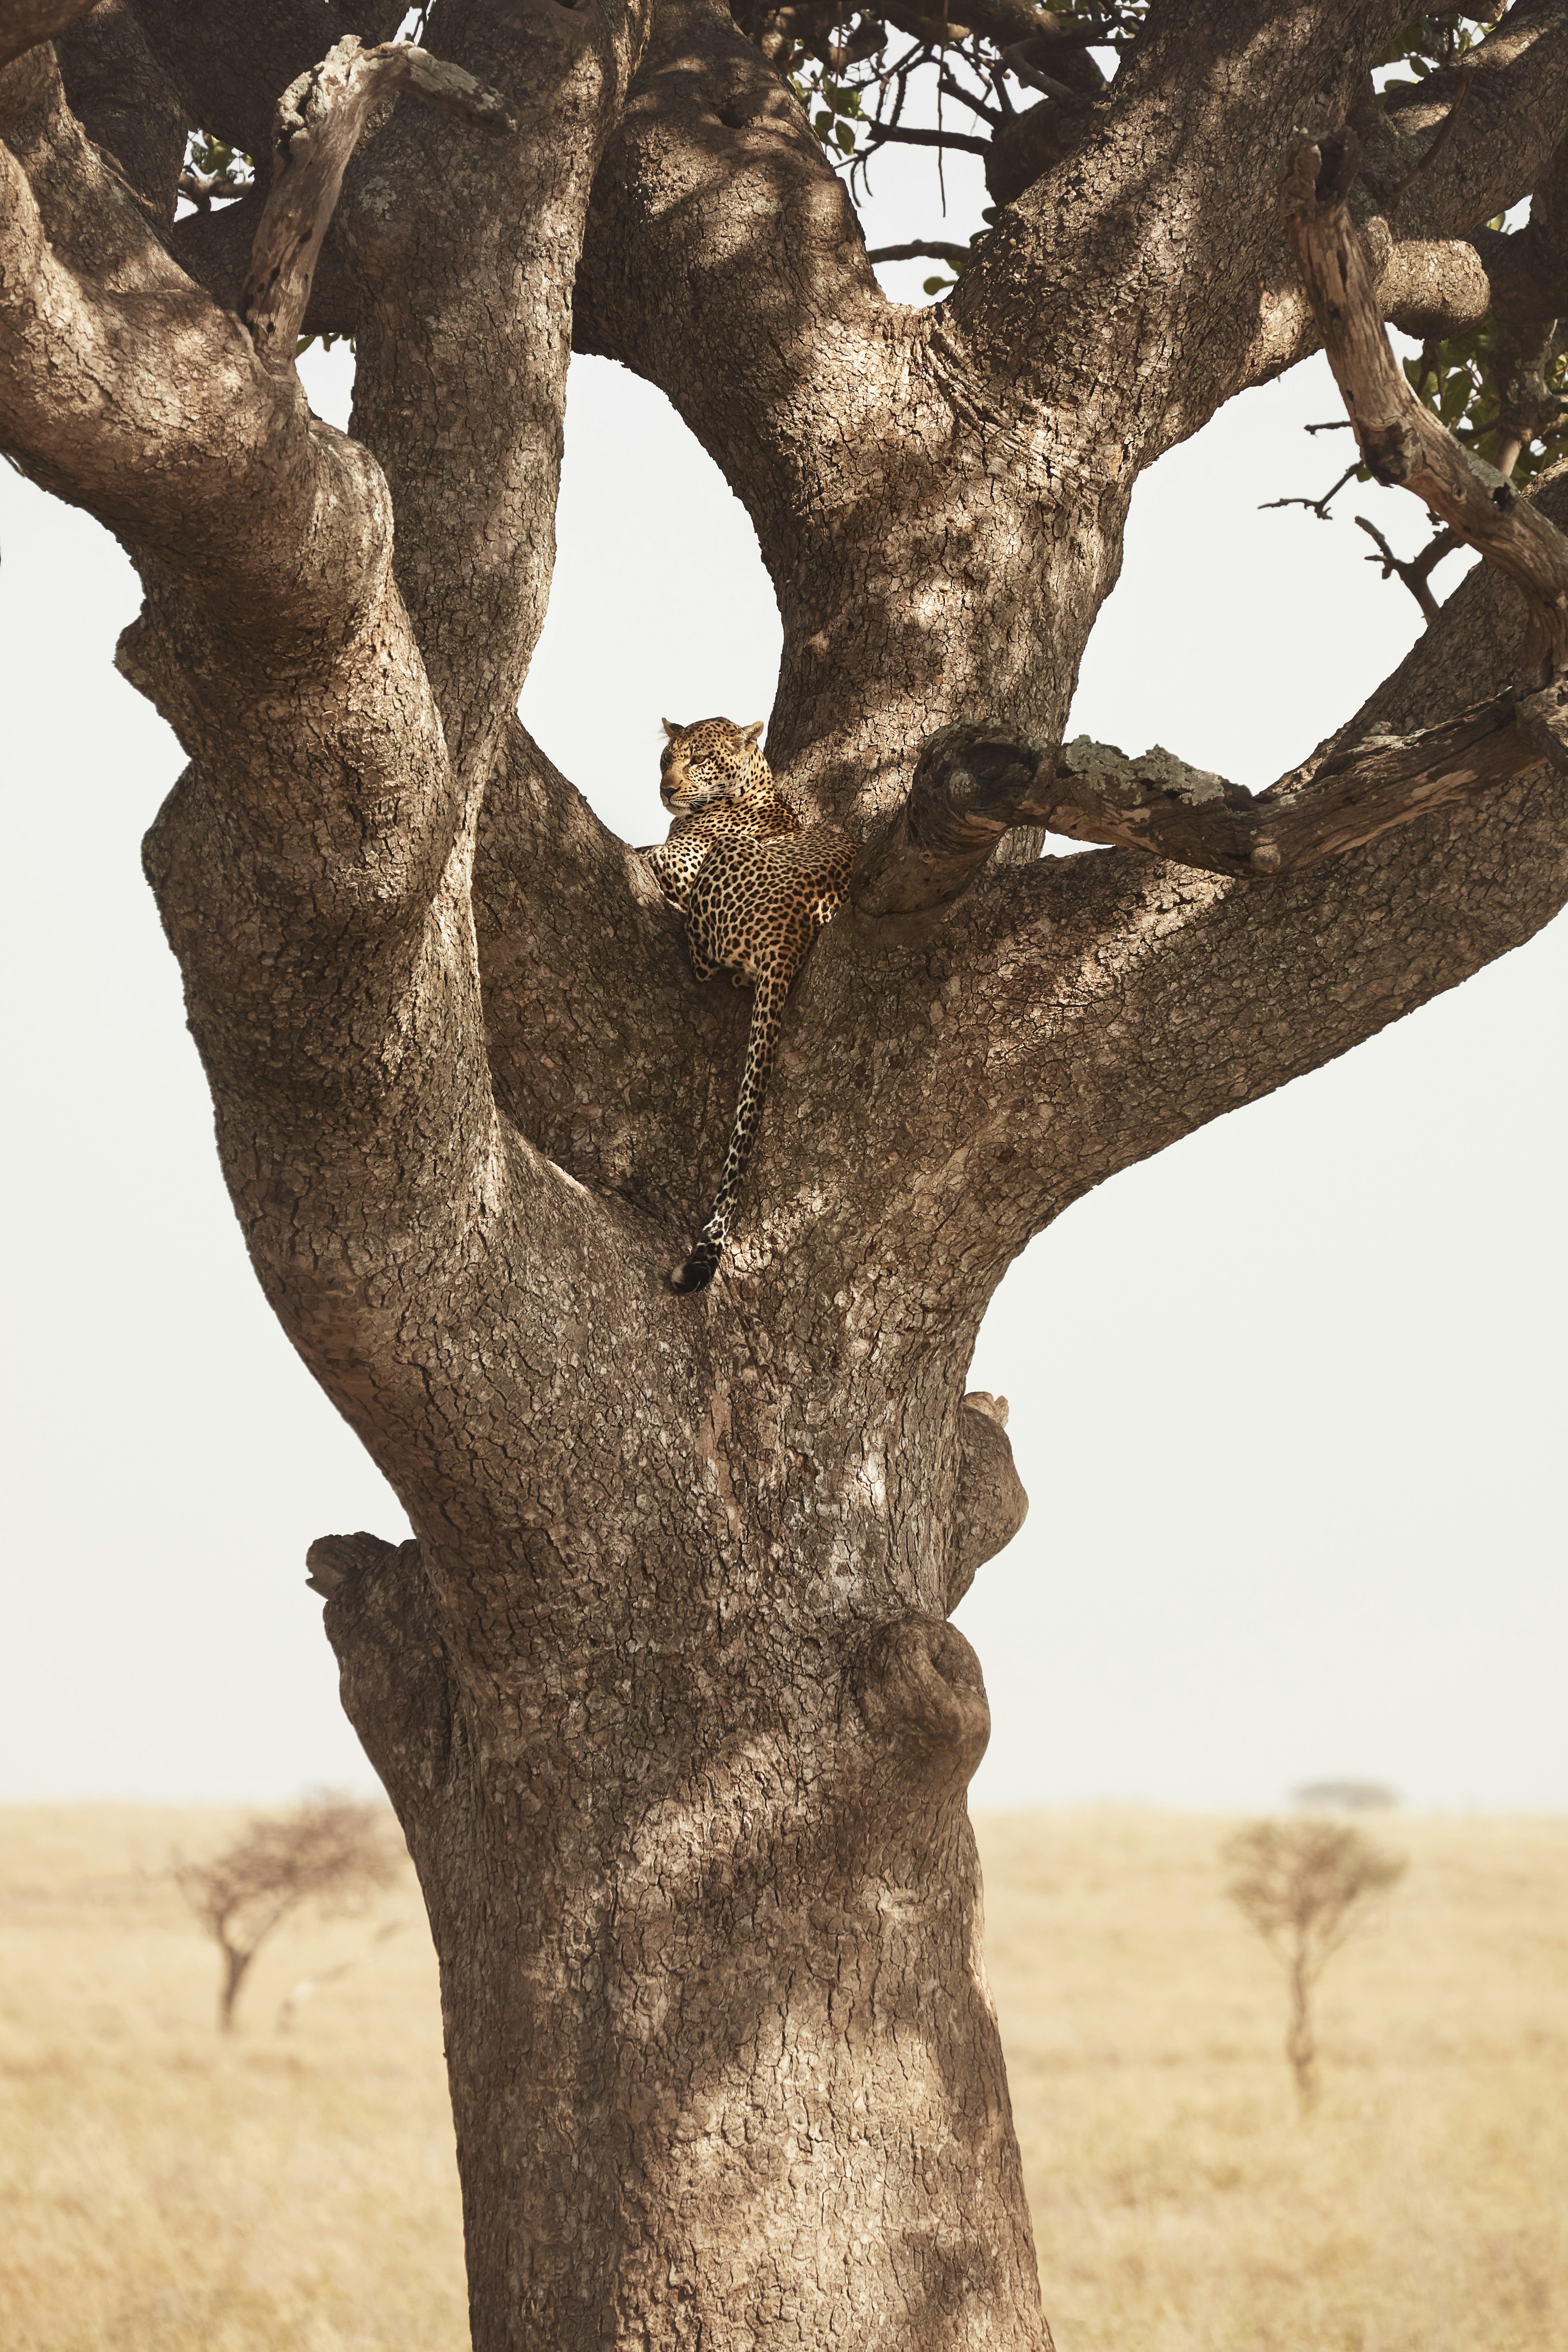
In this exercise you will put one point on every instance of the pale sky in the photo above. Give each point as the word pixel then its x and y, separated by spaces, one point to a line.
pixel 1287 1400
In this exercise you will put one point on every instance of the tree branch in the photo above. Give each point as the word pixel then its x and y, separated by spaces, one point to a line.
pixel 1139 296
pixel 972 784
pixel 1400 441
pixel 320 119
pixel 1416 572
pixel 125 104
pixel 1466 145
pixel 229 60
pixel 923 249
pixel 904 134
pixel 465 266
pixel 24 24
pixel 1106 1005
pixel 1340 801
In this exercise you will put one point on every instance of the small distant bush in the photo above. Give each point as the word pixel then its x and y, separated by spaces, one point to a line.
pixel 329 1851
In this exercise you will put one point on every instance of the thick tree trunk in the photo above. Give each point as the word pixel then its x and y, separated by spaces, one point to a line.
pixel 663 1688
pixel 687 1803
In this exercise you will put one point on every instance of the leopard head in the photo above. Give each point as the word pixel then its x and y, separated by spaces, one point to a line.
pixel 711 759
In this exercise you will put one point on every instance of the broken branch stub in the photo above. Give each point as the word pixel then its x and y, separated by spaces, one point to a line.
pixel 1403 443
pixel 991 1505
pixel 320 121
pixel 970 782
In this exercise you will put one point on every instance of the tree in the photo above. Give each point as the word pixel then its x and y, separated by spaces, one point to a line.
pixel 1305 1885
pixel 329 1851
pixel 663 1689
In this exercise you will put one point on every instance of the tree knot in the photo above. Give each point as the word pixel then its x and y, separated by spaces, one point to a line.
pixel 920 1691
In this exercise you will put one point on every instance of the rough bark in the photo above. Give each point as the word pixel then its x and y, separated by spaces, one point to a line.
pixel 663 1688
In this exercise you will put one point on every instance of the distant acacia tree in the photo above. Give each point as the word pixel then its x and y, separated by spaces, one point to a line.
pixel 1304 1885
pixel 327 1851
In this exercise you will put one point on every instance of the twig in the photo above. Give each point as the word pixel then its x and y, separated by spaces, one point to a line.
pixel 1319 507
pixel 954 89
pixel 923 249
pixel 884 133
pixel 1416 572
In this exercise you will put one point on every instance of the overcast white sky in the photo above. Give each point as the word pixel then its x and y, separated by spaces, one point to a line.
pixel 1287 1400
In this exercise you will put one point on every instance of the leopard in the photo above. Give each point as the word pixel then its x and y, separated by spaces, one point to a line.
pixel 755 885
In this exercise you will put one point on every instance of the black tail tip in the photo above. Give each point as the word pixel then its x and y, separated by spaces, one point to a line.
pixel 697 1270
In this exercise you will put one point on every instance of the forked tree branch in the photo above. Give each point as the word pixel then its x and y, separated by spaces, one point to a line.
pixel 319 120
pixel 974 784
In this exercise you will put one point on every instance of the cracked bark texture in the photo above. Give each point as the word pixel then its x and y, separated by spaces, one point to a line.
pixel 663 1688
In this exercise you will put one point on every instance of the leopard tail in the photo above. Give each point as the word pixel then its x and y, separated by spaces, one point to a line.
pixel 761 1050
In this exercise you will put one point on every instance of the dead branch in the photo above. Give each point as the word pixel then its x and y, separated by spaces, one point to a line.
pixel 1400 441
pixel 923 249
pixel 24 22
pixel 1319 507
pixel 319 120
pixel 1346 798
pixel 974 784
pixel 1416 572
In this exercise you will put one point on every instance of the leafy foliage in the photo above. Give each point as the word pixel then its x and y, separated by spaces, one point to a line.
pixel 1458 380
pixel 215 172
pixel 832 108
pixel 1439 38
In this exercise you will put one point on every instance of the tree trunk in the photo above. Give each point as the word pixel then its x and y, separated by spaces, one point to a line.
pixel 235 1964
pixel 1300 2043
pixel 663 1689
pixel 724 2065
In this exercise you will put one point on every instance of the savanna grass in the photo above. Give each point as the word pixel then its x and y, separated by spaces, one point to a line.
pixel 162 2190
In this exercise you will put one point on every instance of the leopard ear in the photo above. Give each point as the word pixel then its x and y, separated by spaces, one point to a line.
pixel 671 726
pixel 753 733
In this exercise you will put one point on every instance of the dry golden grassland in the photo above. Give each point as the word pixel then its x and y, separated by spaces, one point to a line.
pixel 163 2191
